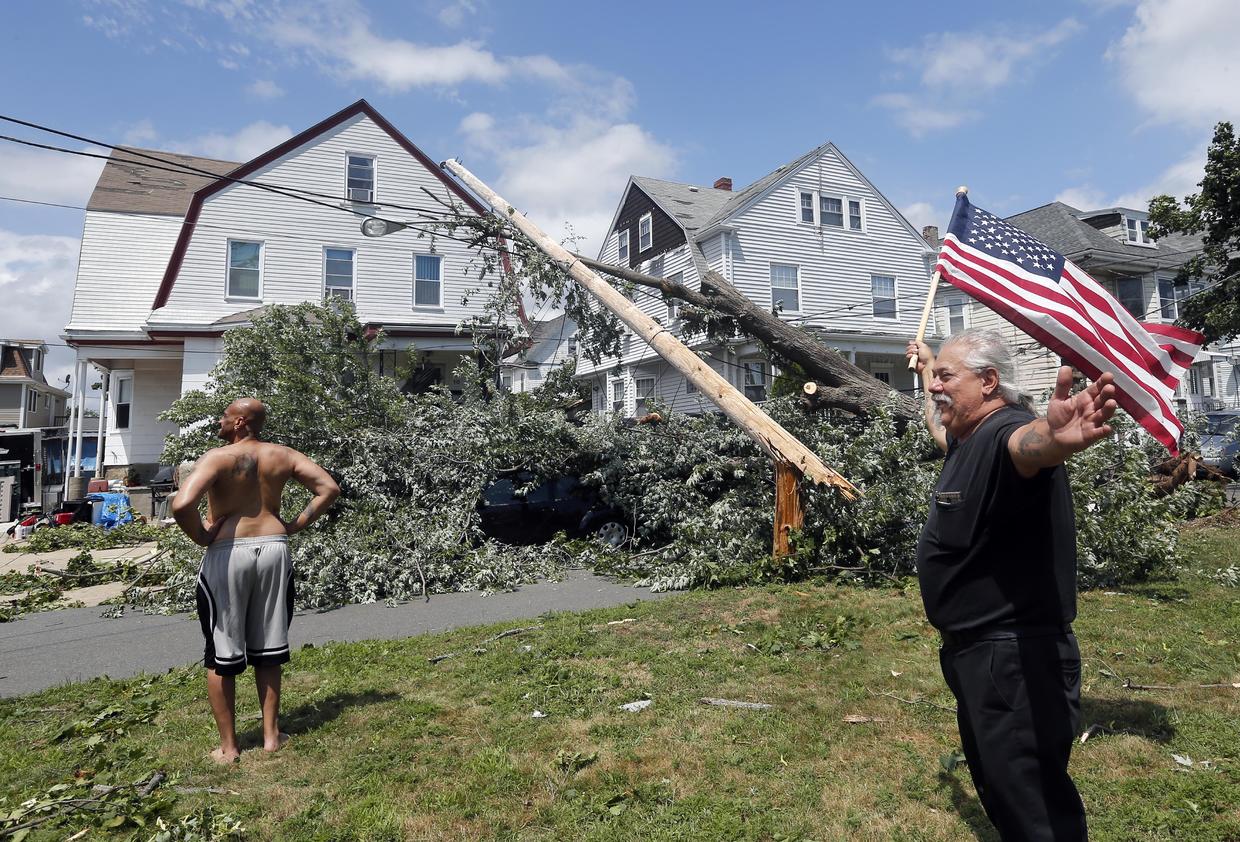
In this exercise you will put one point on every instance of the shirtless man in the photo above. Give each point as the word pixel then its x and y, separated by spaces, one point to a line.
pixel 245 585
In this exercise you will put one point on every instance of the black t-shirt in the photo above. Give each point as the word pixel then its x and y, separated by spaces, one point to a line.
pixel 997 549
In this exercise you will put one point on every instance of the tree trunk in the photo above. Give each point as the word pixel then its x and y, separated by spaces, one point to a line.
pixel 842 385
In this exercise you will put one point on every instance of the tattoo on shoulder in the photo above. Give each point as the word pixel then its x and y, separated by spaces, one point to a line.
pixel 1031 443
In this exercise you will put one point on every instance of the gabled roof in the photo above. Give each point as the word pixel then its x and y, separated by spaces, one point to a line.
pixel 700 208
pixel 690 206
pixel 131 182
pixel 361 107
pixel 1062 228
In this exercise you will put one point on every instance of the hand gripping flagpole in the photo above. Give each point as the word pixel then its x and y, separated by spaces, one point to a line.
pixel 934 286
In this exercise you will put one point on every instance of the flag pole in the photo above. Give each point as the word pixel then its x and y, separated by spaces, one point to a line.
pixel 934 285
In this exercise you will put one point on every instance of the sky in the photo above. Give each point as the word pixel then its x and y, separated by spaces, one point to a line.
pixel 1095 103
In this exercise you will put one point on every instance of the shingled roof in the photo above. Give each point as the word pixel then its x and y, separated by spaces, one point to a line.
pixel 1062 228
pixel 131 183
pixel 689 205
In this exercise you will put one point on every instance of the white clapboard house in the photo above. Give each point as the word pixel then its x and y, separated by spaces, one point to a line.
pixel 815 240
pixel 1114 246
pixel 171 260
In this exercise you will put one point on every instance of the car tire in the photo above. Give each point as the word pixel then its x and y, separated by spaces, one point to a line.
pixel 611 533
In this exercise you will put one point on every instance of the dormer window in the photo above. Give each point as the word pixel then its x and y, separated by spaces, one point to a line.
pixel 360 179
pixel 1138 231
pixel 645 235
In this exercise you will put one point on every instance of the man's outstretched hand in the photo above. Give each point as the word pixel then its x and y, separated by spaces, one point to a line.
pixel 1072 423
pixel 1077 421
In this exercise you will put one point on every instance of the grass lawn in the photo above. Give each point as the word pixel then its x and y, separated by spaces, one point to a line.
pixel 387 745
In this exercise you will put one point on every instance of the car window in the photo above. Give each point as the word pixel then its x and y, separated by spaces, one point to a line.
pixel 1221 425
pixel 499 492
pixel 541 493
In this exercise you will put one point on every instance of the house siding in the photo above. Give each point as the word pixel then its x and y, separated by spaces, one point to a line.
pixel 201 355
pixel 122 261
pixel 665 233
pixel 156 384
pixel 10 404
pixel 294 234
pixel 835 265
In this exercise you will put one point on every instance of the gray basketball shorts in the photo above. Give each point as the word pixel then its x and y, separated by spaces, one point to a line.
pixel 245 603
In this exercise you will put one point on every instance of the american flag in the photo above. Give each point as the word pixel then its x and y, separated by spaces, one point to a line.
pixel 1054 301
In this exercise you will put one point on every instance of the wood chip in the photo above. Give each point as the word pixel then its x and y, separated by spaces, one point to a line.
pixel 860 719
pixel 732 703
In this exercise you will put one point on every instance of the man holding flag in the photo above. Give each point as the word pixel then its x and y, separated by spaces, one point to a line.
pixel 996 560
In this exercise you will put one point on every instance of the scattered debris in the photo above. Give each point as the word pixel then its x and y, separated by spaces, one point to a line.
pixel 916 700
pixel 861 719
pixel 730 703
pixel 622 622
pixel 895 674
pixel 538 714
pixel 478 650
pixel 639 705
pixel 1092 731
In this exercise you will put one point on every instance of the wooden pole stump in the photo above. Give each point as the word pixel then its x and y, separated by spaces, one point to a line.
pixel 789 511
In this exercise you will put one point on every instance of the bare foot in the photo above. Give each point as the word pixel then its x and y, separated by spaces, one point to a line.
pixel 225 757
pixel 281 741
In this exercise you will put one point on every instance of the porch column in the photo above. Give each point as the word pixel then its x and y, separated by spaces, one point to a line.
pixel 103 392
pixel 21 410
pixel 79 402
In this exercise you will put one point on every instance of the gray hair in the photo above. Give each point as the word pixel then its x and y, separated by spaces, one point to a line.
pixel 985 349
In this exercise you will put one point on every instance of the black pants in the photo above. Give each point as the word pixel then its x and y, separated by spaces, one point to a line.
pixel 1018 702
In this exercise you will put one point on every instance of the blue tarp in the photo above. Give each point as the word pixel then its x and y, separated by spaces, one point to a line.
pixel 112 509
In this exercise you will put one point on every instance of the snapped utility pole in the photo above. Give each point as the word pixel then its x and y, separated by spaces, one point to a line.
pixel 792 458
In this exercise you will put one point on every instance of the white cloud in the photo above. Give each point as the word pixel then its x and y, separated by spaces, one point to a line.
pixel 455 13
pixel 1177 180
pixel 921 214
pixel 919 117
pixel 37 273
pixel 264 89
pixel 1179 62
pixel 48 176
pixel 241 145
pixel 570 173
pixel 956 70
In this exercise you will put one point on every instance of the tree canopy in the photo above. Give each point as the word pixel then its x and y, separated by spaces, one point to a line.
pixel 1214 214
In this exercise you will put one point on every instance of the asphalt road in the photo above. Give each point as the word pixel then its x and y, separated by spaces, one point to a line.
pixel 50 648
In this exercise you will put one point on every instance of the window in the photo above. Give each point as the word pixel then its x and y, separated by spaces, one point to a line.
pixel 1138 231
pixel 955 315
pixel 1167 299
pixel 854 214
pixel 645 391
pixel 32 400
pixel 645 236
pixel 831 211
pixel 245 269
pixel 536 374
pixel 1131 295
pixel 123 400
pixel 427 280
pixel 754 379
pixel 360 181
pixel 673 306
pixel 37 357
pixel 807 207
pixel 883 375
pixel 338 273
pixel 617 396
pixel 785 287
pixel 506 380
pixel 883 291
pixel 622 246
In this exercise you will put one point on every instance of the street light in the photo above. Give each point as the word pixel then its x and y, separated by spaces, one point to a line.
pixel 376 227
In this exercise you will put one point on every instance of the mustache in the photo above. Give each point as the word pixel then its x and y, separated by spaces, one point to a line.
pixel 941 400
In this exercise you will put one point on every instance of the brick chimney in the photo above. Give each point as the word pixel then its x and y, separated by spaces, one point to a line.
pixel 931 235
pixel 723 183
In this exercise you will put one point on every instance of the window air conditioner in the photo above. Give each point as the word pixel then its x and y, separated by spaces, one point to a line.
pixel 360 194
